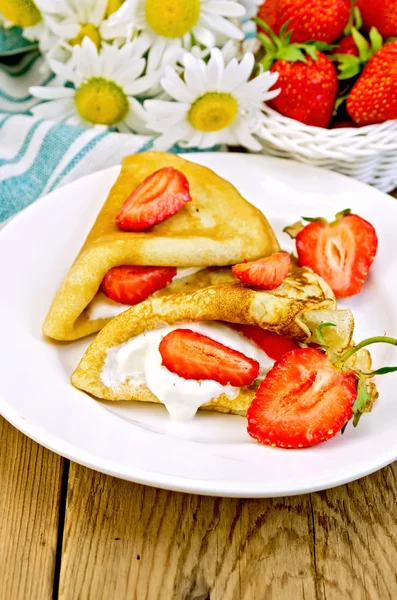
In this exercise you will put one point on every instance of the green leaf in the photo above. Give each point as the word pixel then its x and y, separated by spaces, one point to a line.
pixel 319 334
pixel 349 66
pixel 266 42
pixel 311 219
pixel 267 62
pixel 339 101
pixel 382 371
pixel 362 401
pixel 283 29
pixel 358 22
pixel 360 41
pixel 322 46
pixel 343 213
pixel 263 25
pixel 376 39
pixel 311 51
pixel 292 54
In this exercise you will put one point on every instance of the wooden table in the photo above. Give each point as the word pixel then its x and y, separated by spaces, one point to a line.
pixel 72 533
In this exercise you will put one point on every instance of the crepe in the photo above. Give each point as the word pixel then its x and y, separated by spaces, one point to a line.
pixel 294 309
pixel 217 228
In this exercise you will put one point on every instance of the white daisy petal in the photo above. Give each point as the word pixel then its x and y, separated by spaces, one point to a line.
pixel 244 137
pixel 168 139
pixel 156 53
pixel 225 8
pixel 137 108
pixel 175 87
pixel 49 93
pixel 215 68
pixel 237 73
pixel 221 25
pixel 142 84
pixel 63 71
pixel 55 109
pixel 63 30
pixel 204 36
pixel 166 110
pixel 98 12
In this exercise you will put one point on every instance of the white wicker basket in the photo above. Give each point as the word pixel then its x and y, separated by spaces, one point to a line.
pixel 367 153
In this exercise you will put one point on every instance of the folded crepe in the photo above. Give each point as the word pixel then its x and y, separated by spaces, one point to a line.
pixel 295 309
pixel 217 228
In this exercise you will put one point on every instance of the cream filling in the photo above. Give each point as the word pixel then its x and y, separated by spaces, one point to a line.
pixel 102 307
pixel 138 362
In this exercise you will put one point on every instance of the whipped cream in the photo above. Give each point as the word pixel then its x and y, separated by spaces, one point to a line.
pixel 102 307
pixel 138 361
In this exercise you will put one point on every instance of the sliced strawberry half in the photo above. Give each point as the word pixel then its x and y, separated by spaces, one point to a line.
pixel 273 344
pixel 340 252
pixel 192 355
pixel 157 198
pixel 132 284
pixel 303 400
pixel 266 273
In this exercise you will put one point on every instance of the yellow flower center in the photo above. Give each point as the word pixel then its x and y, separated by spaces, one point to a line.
pixel 87 30
pixel 213 111
pixel 112 6
pixel 172 18
pixel 21 12
pixel 101 101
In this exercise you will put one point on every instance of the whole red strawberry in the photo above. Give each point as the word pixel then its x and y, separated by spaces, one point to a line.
pixel 373 98
pixel 308 80
pixel 321 20
pixel 308 90
pixel 381 14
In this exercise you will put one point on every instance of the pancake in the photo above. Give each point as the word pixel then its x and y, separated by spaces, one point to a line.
pixel 217 228
pixel 294 309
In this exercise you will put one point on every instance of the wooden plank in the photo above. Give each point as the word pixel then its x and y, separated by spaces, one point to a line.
pixel 30 483
pixel 355 529
pixel 123 540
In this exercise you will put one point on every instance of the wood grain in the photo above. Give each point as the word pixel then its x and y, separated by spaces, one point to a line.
pixel 30 482
pixel 128 541
pixel 123 540
pixel 355 528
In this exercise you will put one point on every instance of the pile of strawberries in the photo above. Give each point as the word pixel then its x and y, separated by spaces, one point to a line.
pixel 336 59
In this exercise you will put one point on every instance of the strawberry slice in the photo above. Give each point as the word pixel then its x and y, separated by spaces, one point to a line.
pixel 267 273
pixel 340 252
pixel 194 356
pixel 132 284
pixel 273 344
pixel 157 198
pixel 304 400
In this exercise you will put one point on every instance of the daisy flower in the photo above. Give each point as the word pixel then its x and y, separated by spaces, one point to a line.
pixel 70 21
pixel 214 104
pixel 166 25
pixel 25 14
pixel 104 83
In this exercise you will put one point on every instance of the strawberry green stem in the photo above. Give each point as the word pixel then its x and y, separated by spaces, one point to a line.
pixel 367 342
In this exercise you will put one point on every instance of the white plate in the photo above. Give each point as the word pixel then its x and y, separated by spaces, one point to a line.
pixel 213 454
